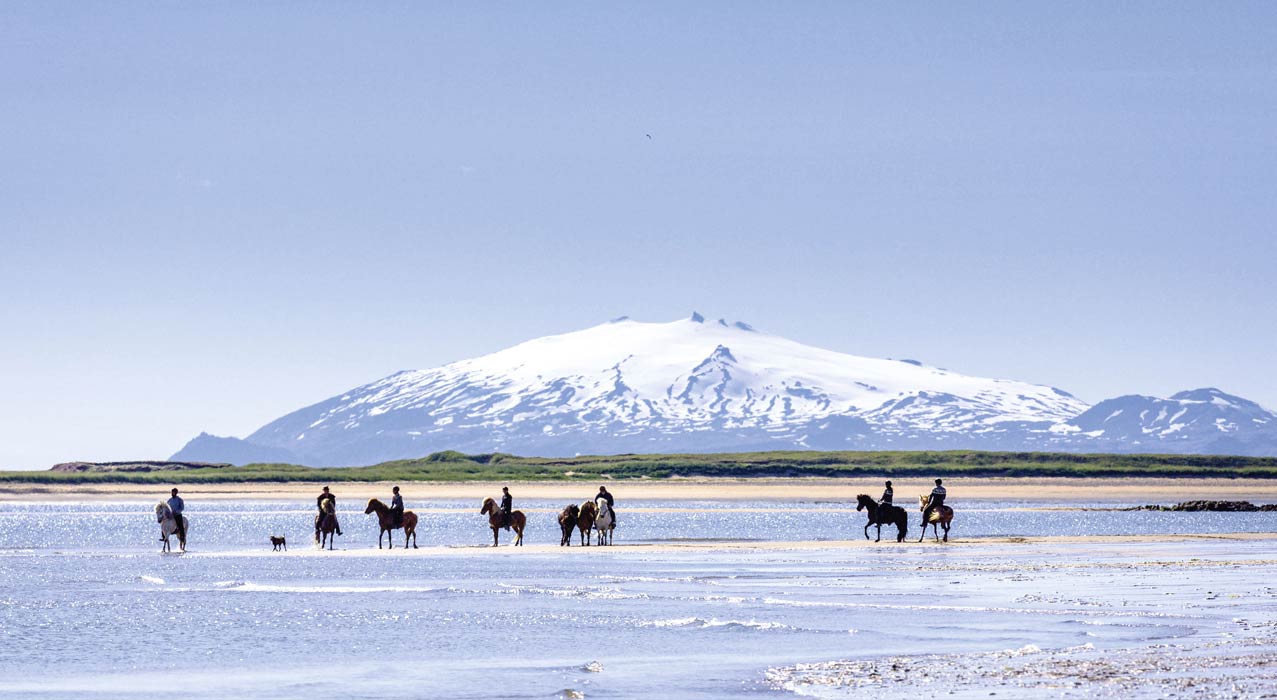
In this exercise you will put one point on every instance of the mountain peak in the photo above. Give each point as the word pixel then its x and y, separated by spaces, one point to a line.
pixel 689 385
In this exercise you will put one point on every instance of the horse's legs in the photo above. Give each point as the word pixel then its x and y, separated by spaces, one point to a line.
pixel 494 537
pixel 946 532
pixel 390 539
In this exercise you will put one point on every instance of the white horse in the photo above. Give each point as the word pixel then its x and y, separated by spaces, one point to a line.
pixel 168 526
pixel 604 523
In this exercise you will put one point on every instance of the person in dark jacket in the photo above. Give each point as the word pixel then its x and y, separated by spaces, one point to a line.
pixel 611 504
pixel 319 503
pixel 396 508
pixel 887 496
pixel 507 506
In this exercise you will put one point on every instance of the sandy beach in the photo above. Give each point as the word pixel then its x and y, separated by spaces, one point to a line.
pixel 1044 489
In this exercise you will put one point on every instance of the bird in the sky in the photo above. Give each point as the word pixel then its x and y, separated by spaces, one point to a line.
pixel 649 137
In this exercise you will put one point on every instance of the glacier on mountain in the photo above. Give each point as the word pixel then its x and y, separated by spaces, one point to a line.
pixel 687 386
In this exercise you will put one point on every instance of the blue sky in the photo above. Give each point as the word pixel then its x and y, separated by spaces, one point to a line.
pixel 215 213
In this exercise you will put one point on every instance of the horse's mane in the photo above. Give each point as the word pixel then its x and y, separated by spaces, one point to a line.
pixel 372 501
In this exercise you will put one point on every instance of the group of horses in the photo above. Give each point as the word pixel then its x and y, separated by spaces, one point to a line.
pixel 589 518
pixel 939 517
pixel 594 515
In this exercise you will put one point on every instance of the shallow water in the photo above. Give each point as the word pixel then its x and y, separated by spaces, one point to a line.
pixel 89 609
pixel 222 525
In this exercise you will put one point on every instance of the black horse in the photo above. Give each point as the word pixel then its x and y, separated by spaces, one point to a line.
pixel 878 515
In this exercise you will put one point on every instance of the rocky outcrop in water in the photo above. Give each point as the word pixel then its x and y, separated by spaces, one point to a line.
pixel 1214 506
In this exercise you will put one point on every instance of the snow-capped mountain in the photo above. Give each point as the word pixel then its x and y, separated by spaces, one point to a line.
pixel 1202 420
pixel 688 386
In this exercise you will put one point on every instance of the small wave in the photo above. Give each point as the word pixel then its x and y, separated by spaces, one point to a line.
pixel 595 593
pixel 244 587
pixel 593 667
pixel 152 579
pixel 713 623
pixel 969 608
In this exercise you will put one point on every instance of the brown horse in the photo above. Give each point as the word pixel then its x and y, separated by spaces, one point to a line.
pixel 883 515
pixel 496 522
pixel 388 526
pixel 567 523
pixel 326 525
pixel 585 521
pixel 940 518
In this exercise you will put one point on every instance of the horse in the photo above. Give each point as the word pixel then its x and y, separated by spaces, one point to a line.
pixel 585 521
pixel 880 514
pixel 326 525
pixel 387 521
pixel 168 526
pixel 496 522
pixel 567 523
pixel 604 523
pixel 940 517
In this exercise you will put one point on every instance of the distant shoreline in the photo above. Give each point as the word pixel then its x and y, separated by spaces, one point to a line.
pixel 1138 490
pixel 455 467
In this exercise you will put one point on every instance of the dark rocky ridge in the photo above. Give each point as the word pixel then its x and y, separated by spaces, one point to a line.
pixel 135 466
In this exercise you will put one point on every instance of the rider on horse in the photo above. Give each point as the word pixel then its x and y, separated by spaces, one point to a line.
pixel 886 497
pixel 319 519
pixel 176 505
pixel 934 501
pixel 396 509
pixel 607 497
pixel 507 505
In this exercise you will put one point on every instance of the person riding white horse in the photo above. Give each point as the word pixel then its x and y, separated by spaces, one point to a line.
pixel 169 526
pixel 605 520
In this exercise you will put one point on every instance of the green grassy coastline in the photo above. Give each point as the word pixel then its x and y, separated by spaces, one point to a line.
pixel 454 466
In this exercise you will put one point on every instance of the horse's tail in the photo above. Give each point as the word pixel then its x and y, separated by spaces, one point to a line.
pixel 902 522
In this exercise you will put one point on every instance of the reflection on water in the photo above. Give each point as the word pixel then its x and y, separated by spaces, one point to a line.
pixel 477 623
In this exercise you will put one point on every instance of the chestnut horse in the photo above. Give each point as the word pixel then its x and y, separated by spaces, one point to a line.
pixel 567 523
pixel 386 520
pixel 940 518
pixel 880 514
pixel 585 521
pixel 496 522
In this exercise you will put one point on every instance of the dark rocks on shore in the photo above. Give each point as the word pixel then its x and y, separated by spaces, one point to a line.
pixel 139 466
pixel 1221 506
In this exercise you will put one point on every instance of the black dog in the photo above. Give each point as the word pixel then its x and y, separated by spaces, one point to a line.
pixel 278 542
